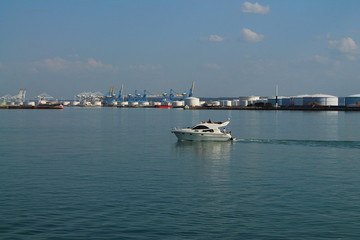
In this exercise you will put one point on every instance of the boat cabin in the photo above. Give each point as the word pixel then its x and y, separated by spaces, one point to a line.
pixel 203 128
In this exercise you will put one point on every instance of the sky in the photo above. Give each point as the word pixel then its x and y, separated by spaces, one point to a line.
pixel 227 47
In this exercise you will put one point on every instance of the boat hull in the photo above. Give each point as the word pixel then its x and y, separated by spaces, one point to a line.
pixel 162 106
pixel 201 136
pixel 49 106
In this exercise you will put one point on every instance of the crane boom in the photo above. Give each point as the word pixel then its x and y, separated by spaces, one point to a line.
pixel 192 89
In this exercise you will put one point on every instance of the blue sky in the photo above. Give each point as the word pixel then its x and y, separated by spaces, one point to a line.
pixel 228 47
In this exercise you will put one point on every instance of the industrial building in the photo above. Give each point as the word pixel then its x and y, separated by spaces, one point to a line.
pixel 280 101
pixel 352 100
pixel 320 100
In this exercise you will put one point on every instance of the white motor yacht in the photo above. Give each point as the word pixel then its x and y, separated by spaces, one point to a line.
pixel 204 131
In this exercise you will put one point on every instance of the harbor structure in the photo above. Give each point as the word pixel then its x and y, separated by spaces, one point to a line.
pixel 192 101
pixel 279 101
pixel 17 99
pixel 187 100
pixel 321 100
pixel 110 98
pixel 147 99
pixel 88 99
pixel 298 100
pixel 352 100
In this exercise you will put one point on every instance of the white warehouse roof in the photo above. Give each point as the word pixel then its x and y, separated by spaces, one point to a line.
pixel 318 95
pixel 322 95
pixel 300 96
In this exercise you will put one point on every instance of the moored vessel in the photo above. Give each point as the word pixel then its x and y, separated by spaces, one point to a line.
pixel 49 106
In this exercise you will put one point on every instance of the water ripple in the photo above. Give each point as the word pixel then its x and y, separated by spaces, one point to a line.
pixel 310 143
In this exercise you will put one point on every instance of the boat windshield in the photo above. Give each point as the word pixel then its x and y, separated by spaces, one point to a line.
pixel 200 127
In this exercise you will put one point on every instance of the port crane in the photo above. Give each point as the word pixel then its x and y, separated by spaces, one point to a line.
pixel 89 96
pixel 192 89
pixel 170 95
pixel 120 94
pixel 44 97
pixel 20 97
pixel 143 97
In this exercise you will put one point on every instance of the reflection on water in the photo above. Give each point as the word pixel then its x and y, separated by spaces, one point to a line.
pixel 120 174
pixel 310 143
pixel 211 160
pixel 209 150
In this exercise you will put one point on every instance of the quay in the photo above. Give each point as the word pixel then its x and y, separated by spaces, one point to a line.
pixel 248 108
pixel 279 108
pixel 314 102
pixel 172 99
pixel 31 107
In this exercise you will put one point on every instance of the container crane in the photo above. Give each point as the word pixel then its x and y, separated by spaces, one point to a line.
pixel 110 97
pixel 20 97
pixel 192 89
pixel 143 97
pixel 121 92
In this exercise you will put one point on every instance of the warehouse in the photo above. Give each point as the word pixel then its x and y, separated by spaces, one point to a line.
pixel 352 100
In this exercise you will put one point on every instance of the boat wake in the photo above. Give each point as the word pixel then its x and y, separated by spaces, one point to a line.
pixel 312 143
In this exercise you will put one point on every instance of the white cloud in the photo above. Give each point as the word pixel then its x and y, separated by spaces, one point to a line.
pixel 321 59
pixel 250 36
pixel 55 63
pixel 214 38
pixel 212 66
pixel 96 64
pixel 146 67
pixel 249 7
pixel 61 64
pixel 345 45
pixel 351 57
pixel 324 60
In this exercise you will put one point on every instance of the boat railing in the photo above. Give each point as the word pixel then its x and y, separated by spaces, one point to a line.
pixel 179 128
pixel 225 131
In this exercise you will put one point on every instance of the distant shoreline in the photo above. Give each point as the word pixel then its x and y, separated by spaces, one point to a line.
pixel 280 108
pixel 250 108
pixel 30 107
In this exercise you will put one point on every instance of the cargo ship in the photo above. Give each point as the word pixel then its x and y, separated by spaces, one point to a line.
pixel 49 106
pixel 162 106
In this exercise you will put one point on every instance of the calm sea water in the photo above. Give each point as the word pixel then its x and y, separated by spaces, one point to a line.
pixel 109 173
